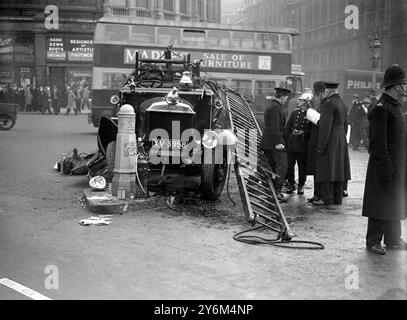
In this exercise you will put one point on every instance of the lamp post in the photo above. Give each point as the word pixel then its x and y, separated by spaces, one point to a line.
pixel 375 47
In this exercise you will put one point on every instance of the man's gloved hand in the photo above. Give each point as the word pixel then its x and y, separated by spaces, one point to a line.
pixel 386 180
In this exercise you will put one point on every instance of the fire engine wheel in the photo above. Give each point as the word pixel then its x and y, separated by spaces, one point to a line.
pixel 213 179
pixel 110 155
pixel 6 122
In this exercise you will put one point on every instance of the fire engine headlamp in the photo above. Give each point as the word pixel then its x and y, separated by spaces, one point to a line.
pixel 114 99
pixel 97 183
pixel 210 139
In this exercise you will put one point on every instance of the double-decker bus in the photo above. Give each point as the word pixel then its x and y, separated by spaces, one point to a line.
pixel 253 62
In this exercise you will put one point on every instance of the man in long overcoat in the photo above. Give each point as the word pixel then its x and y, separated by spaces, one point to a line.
pixel 319 87
pixel 272 141
pixel 385 189
pixel 332 165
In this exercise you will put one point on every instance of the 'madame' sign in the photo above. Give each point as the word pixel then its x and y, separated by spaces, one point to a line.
pixel 227 61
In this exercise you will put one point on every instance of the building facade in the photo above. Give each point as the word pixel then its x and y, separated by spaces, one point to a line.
pixel 327 49
pixel 179 10
pixel 47 42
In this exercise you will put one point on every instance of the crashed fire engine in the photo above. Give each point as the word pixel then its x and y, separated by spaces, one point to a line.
pixel 189 132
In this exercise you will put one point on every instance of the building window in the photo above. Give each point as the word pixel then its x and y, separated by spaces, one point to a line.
pixel 183 6
pixel 142 4
pixel 119 3
pixel 168 5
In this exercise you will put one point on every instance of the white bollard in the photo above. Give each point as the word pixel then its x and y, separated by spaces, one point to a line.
pixel 125 168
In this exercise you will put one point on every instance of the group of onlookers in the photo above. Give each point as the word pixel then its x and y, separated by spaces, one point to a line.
pixel 315 137
pixel 46 99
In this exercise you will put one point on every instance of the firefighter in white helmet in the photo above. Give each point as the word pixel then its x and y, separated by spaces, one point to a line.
pixel 297 133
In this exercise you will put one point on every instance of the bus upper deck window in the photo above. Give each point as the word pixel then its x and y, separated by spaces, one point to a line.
pixel 219 38
pixel 193 37
pixel 142 34
pixel 167 36
pixel 115 32
pixel 267 41
pixel 243 39
pixel 285 42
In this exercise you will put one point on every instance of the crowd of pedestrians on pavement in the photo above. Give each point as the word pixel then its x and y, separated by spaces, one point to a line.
pixel 46 99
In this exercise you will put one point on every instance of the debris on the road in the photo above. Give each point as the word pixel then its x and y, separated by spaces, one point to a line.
pixel 82 201
pixel 95 221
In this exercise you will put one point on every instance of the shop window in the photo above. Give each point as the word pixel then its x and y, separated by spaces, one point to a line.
pixel 142 34
pixel 193 37
pixel 168 36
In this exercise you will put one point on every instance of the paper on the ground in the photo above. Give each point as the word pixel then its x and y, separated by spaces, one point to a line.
pixel 95 221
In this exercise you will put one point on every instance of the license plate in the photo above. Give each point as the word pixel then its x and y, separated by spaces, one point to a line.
pixel 170 143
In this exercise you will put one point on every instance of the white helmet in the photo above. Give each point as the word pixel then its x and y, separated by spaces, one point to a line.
pixel 306 97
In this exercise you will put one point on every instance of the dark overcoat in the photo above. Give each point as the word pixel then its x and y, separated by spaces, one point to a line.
pixel 312 150
pixel 274 122
pixel 332 158
pixel 387 156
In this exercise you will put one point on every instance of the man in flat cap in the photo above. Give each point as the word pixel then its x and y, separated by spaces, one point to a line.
pixel 272 142
pixel 332 165
pixel 384 201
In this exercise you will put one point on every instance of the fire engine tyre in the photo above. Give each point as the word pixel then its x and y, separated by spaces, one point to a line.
pixel 110 156
pixel 213 179
pixel 6 121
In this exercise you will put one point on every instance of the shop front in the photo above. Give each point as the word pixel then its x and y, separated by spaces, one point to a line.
pixel 17 63
pixel 69 61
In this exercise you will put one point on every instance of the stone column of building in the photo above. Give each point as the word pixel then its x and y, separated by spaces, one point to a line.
pixel 194 10
pixel 204 10
pixel 177 10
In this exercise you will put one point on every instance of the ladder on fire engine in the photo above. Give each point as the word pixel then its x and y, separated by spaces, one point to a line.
pixel 253 173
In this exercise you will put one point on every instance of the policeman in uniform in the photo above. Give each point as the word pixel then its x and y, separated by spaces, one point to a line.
pixel 297 133
pixel 332 165
pixel 272 142
pixel 384 201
